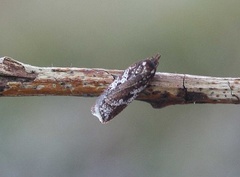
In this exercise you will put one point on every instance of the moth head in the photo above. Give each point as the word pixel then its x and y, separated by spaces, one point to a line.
pixel 96 110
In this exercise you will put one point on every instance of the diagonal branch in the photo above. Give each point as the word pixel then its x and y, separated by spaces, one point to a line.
pixel 19 79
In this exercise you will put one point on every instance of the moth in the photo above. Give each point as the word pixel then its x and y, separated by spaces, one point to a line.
pixel 124 89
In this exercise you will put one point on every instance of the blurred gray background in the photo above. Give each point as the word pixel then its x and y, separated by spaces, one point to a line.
pixel 58 136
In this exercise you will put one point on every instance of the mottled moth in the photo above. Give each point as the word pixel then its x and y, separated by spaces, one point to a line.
pixel 124 89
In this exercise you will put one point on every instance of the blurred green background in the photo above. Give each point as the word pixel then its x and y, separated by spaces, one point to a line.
pixel 58 136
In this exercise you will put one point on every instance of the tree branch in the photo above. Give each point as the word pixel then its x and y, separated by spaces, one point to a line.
pixel 19 79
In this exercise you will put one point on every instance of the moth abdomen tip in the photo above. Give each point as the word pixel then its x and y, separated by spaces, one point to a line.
pixel 156 59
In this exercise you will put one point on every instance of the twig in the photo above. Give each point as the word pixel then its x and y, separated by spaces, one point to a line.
pixel 19 79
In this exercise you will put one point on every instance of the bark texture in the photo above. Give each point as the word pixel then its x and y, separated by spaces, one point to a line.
pixel 19 79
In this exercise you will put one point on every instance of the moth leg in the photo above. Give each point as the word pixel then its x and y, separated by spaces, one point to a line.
pixel 114 76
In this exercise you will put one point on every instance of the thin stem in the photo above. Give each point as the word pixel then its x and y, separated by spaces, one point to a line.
pixel 19 79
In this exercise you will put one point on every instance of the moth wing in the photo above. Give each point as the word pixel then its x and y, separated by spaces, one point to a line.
pixel 125 90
